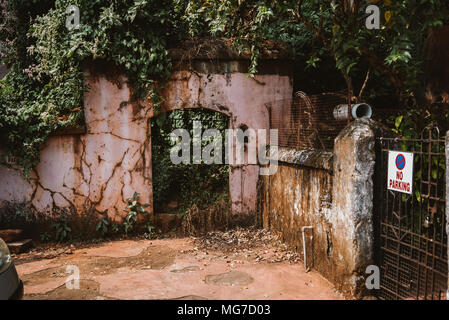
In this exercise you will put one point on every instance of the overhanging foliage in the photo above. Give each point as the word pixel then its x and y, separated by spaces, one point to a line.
pixel 44 89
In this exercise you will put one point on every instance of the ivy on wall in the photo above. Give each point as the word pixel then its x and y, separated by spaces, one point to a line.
pixel 44 89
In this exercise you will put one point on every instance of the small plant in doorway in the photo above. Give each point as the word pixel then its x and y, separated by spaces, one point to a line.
pixel 63 229
pixel 150 232
pixel 133 210
pixel 45 237
pixel 103 225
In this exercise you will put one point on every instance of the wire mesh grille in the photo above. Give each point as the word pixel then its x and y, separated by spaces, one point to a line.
pixel 306 122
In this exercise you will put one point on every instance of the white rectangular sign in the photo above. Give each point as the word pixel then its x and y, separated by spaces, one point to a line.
pixel 400 171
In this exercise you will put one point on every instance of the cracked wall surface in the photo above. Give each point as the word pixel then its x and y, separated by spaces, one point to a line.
pixel 103 167
pixel 97 170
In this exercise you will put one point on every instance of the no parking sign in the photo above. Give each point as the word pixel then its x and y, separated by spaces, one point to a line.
pixel 400 171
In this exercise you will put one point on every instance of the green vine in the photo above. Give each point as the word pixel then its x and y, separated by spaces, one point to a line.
pixel 44 88
pixel 46 94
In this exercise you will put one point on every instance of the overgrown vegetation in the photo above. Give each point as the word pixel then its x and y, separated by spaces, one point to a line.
pixel 333 50
pixel 134 209
pixel 44 89
pixel 135 214
pixel 16 215
pixel 57 224
pixel 66 225
pixel 203 218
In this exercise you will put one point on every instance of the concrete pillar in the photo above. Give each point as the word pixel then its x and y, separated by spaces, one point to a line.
pixel 352 216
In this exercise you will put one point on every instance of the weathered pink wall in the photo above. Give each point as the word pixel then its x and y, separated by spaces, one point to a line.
pixel 104 166
pixel 99 169
pixel 241 98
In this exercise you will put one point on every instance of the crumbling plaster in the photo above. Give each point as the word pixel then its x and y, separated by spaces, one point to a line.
pixel 333 193
pixel 102 167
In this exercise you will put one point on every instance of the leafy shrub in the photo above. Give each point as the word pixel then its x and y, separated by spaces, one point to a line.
pixel 133 210
pixel 103 225
pixel 44 89
pixel 45 237
pixel 63 230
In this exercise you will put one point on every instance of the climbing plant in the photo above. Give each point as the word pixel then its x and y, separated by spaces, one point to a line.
pixel 44 89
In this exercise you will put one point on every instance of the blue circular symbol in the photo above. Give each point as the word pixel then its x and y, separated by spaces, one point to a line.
pixel 400 162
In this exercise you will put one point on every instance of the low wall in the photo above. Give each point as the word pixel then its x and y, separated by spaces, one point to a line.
pixel 300 195
pixel 333 193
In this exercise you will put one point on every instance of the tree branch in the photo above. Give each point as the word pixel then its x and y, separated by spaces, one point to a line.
pixel 379 65
pixel 359 98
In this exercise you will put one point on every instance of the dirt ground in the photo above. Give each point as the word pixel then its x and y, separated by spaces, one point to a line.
pixel 232 265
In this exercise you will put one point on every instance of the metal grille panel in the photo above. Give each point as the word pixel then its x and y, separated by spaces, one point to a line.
pixel 413 240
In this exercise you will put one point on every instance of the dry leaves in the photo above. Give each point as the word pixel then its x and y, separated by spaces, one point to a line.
pixel 257 244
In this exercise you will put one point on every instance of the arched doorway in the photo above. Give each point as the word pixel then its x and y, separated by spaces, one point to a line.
pixel 177 187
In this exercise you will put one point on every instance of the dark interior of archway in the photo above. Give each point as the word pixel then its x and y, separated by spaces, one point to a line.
pixel 177 187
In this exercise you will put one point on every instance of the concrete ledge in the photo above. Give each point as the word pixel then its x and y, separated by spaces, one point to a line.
pixel 307 158
pixel 218 56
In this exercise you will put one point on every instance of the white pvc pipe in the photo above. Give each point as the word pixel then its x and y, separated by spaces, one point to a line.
pixel 304 245
pixel 359 110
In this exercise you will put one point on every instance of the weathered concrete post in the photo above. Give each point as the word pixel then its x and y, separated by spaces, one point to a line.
pixel 447 197
pixel 352 217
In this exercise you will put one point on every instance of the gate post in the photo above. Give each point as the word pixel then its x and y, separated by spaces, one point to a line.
pixel 352 217
pixel 447 199
pixel 355 199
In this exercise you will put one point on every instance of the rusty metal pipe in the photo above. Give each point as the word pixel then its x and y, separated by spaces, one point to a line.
pixel 303 229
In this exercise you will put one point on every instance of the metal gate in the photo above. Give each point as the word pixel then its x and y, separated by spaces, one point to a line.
pixel 412 228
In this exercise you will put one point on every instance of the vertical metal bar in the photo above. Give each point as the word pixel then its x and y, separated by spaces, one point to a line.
pixel 429 178
pixel 381 256
pixel 445 221
pixel 420 217
pixel 412 225
pixel 397 241
pixel 383 212
pixel 434 213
